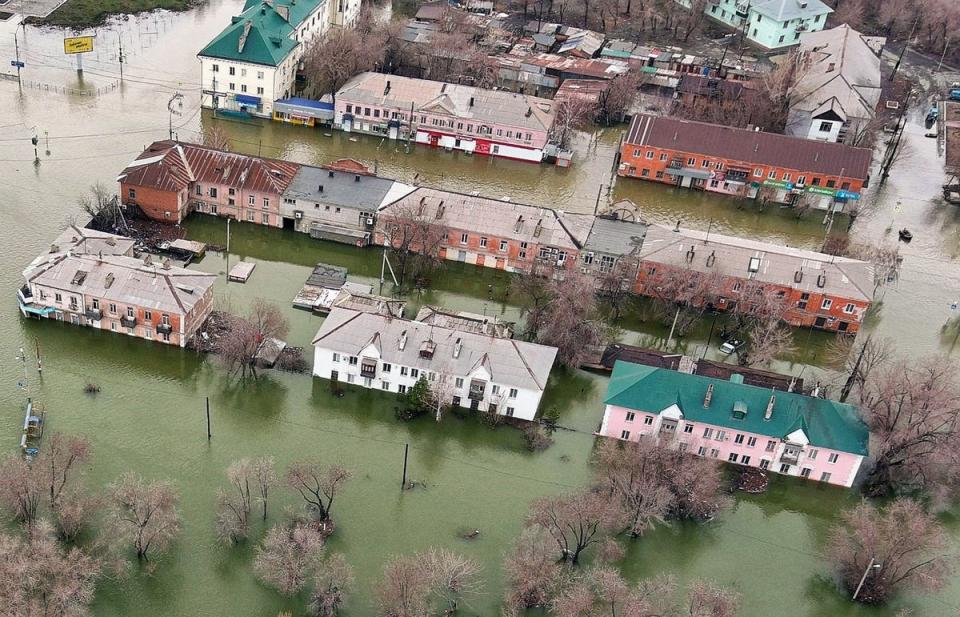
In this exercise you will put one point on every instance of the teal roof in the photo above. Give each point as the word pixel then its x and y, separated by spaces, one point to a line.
pixel 270 38
pixel 826 423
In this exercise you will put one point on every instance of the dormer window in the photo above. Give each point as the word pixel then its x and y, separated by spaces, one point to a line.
pixel 754 265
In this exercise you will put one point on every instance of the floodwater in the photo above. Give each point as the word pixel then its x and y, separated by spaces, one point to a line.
pixel 148 416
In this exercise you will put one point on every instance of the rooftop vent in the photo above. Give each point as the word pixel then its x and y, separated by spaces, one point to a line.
pixel 708 396
pixel 165 264
pixel 519 224
pixel 386 90
pixel 403 340
pixel 769 412
pixel 108 281
pixel 711 259
pixel 148 260
pixel 356 178
pixel 427 348
pixel 471 101
pixel 79 277
pixel 54 248
pixel 754 265
pixel 798 276
pixel 677 228
pixel 691 254
pixel 330 173
pixel 821 280
pixel 186 289
pixel 457 347
pixel 739 410
pixel 320 188
pixel 538 229
pixel 529 112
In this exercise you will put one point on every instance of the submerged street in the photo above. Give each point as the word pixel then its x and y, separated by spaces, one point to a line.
pixel 148 416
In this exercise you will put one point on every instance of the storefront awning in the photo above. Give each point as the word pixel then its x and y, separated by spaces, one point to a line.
pixel 304 108
pixel 246 99
pixel 690 172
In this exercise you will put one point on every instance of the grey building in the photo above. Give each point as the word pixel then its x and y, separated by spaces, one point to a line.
pixel 337 202
pixel 613 246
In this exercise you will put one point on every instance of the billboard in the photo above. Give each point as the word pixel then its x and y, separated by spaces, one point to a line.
pixel 78 44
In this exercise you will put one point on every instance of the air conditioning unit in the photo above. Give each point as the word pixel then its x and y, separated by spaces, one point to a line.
pixel 370 221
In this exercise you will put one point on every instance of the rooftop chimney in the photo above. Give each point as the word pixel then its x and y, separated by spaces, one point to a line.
pixel 109 280
pixel 165 264
pixel 471 101
pixel 708 396
pixel 386 90
pixel 403 340
pixel 769 412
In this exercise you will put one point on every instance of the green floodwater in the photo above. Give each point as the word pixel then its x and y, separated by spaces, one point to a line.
pixel 149 415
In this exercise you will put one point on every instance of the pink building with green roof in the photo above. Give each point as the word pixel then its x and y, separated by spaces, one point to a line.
pixel 780 432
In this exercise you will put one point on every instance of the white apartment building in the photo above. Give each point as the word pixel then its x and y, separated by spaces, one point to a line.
pixel 480 372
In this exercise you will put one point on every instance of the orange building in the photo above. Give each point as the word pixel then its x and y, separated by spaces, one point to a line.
pixel 744 163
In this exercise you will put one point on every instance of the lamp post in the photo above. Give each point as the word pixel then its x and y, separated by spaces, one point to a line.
pixel 870 566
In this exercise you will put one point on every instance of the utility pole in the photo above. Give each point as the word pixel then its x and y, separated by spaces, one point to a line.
pixel 177 97
pixel 896 66
pixel 870 566
pixel 406 451
pixel 208 419
pixel 120 38
pixel 946 43
pixel 17 63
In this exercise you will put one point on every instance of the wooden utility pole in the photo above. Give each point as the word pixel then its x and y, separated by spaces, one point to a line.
pixel 406 451
pixel 208 419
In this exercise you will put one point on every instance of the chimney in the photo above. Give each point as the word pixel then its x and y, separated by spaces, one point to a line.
pixel 471 101
pixel 769 412
pixel 529 112
pixel 386 90
pixel 677 228
pixel 519 224
pixel 320 189
pixel 147 260
pixel 54 248
pixel 457 346
pixel 708 397
pixel 821 280
pixel 165 264
pixel 109 281
pixel 403 340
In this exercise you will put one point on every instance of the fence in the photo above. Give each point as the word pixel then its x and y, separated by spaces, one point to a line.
pixel 55 89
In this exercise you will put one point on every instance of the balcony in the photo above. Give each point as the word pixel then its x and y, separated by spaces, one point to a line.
pixel 94 314
pixel 790 458
pixel 368 369
pixel 128 322
pixel 477 388
pixel 675 164
pixel 164 328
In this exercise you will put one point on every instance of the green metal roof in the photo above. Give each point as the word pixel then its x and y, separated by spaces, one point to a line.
pixel 269 40
pixel 827 424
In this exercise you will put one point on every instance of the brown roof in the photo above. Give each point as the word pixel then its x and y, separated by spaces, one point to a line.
pixel 172 166
pixel 757 147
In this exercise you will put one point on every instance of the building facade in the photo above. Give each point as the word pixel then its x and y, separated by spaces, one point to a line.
pixel 112 290
pixel 744 163
pixel 771 24
pixel 778 432
pixel 443 115
pixel 171 179
pixel 482 231
pixel 254 61
pixel 475 371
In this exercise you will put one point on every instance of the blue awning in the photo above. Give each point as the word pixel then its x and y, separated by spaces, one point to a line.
pixel 304 108
pixel 45 310
pixel 246 99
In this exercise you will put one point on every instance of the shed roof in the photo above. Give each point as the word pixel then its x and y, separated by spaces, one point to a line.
pixel 615 237
pixel 754 147
pixel 826 423
pixel 509 362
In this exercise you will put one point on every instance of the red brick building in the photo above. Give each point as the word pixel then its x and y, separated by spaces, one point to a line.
pixel 483 231
pixel 745 163
pixel 822 291
pixel 171 179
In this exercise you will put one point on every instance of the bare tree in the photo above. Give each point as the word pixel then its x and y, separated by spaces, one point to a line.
pixel 897 548
pixel 247 337
pixel 440 392
pixel 532 291
pixel 758 314
pixel 405 589
pixel 572 114
pixel 332 581
pixel 288 555
pixel 414 237
pixel 618 97
pixel 215 137
pixel 575 521
pixel 21 489
pixel 913 411
pixel 266 478
pixel 235 503
pixel 143 514
pixel 531 570
pixel 683 295
pixel 60 457
pixel 571 319
pixel 103 207
pixel 73 512
pixel 454 577
pixel 318 484
pixel 331 60
pixel 857 358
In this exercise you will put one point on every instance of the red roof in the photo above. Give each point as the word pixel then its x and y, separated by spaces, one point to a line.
pixel 757 147
pixel 173 166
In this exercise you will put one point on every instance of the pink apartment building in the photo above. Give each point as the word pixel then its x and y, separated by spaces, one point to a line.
pixel 449 116
pixel 780 432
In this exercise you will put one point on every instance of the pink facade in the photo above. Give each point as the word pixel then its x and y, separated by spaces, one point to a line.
pixel 789 456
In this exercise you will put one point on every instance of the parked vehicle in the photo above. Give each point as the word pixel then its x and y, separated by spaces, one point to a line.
pixel 906 235
pixel 731 346
pixel 954 94
pixel 933 114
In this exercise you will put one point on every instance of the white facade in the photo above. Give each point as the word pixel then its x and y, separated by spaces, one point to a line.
pixel 452 142
pixel 474 371
pixel 344 13
pixel 228 78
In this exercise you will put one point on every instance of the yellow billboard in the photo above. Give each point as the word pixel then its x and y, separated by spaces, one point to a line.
pixel 77 44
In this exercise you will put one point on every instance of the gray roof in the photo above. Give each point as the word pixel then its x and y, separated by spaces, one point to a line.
pixel 126 280
pixel 615 237
pixel 844 277
pixel 92 242
pixel 325 275
pixel 840 65
pixel 339 188
pixel 494 106
pixel 368 303
pixel 496 218
pixel 465 321
pixel 785 10
pixel 509 362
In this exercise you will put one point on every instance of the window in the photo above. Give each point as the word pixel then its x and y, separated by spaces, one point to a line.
pixel 251 215
pixel 352 361
pixel 243 87
pixel 130 313
pixel 232 70
pixel 771 446
pixel 718 165
pixel 266 203
pixel 757 172
pixel 805 472
pixel 403 371
pixel 733 457
pixel 265 219
pixel 849 308
pixel 384 385
pixel 386 367
pixel 351 378
pixel 780 40
pixel 707 433
pixel 745 460
pixel 252 200
pixel 825 127
pixel 459 382
pixel 259 89
pixel 483 242
pixel 216 68
pixel 96 305
pixel 687 428
pixel 701 451
pixel 827 303
pixel 259 74
pixel 233 86
pixel 133 193
pixel 199 190
pixel 645 173
pixel 692 162
pixel 659 175
pixel 650 154
pixel 812 455
pixel 738 439
pixel 495 390
pixel 336 357
pixel 714 453
pixel 802 180
pixel 721 435
pixel 631 416
pixel 509 412
pixel 751 441
pixel 503 246
pixel 784 468
pixel 648 420
pixel 414 373
pixel 773 174
pixel 513 393
pixel 786 177
pixel 464 238
pixel 831 184
pixel 624 434
pixel 833 457
pixel 825 476
pixel 705 163
pixel 663 156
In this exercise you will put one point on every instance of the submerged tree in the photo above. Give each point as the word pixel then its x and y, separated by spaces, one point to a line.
pixel 288 555
pixel 143 514
pixel 59 459
pixel 21 489
pixel 234 504
pixel 331 582
pixel 103 207
pixel 215 137
pixel 426 583
pixel 897 548
pixel 575 521
pixel 531 570
pixel 571 319
pixel 249 336
pixel 415 236
pixel 318 484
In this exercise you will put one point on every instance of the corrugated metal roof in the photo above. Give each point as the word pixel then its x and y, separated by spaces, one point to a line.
pixel 758 147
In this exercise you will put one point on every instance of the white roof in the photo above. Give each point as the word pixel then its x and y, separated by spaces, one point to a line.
pixel 504 361
pixel 785 10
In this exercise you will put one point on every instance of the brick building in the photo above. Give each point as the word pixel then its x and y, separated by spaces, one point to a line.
pixel 745 163
pixel 170 179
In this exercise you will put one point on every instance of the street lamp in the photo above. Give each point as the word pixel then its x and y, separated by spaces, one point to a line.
pixel 870 566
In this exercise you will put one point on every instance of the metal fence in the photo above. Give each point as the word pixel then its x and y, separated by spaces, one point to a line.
pixel 56 89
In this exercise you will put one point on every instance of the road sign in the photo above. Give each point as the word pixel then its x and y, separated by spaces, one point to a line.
pixel 78 44
pixel 17 64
